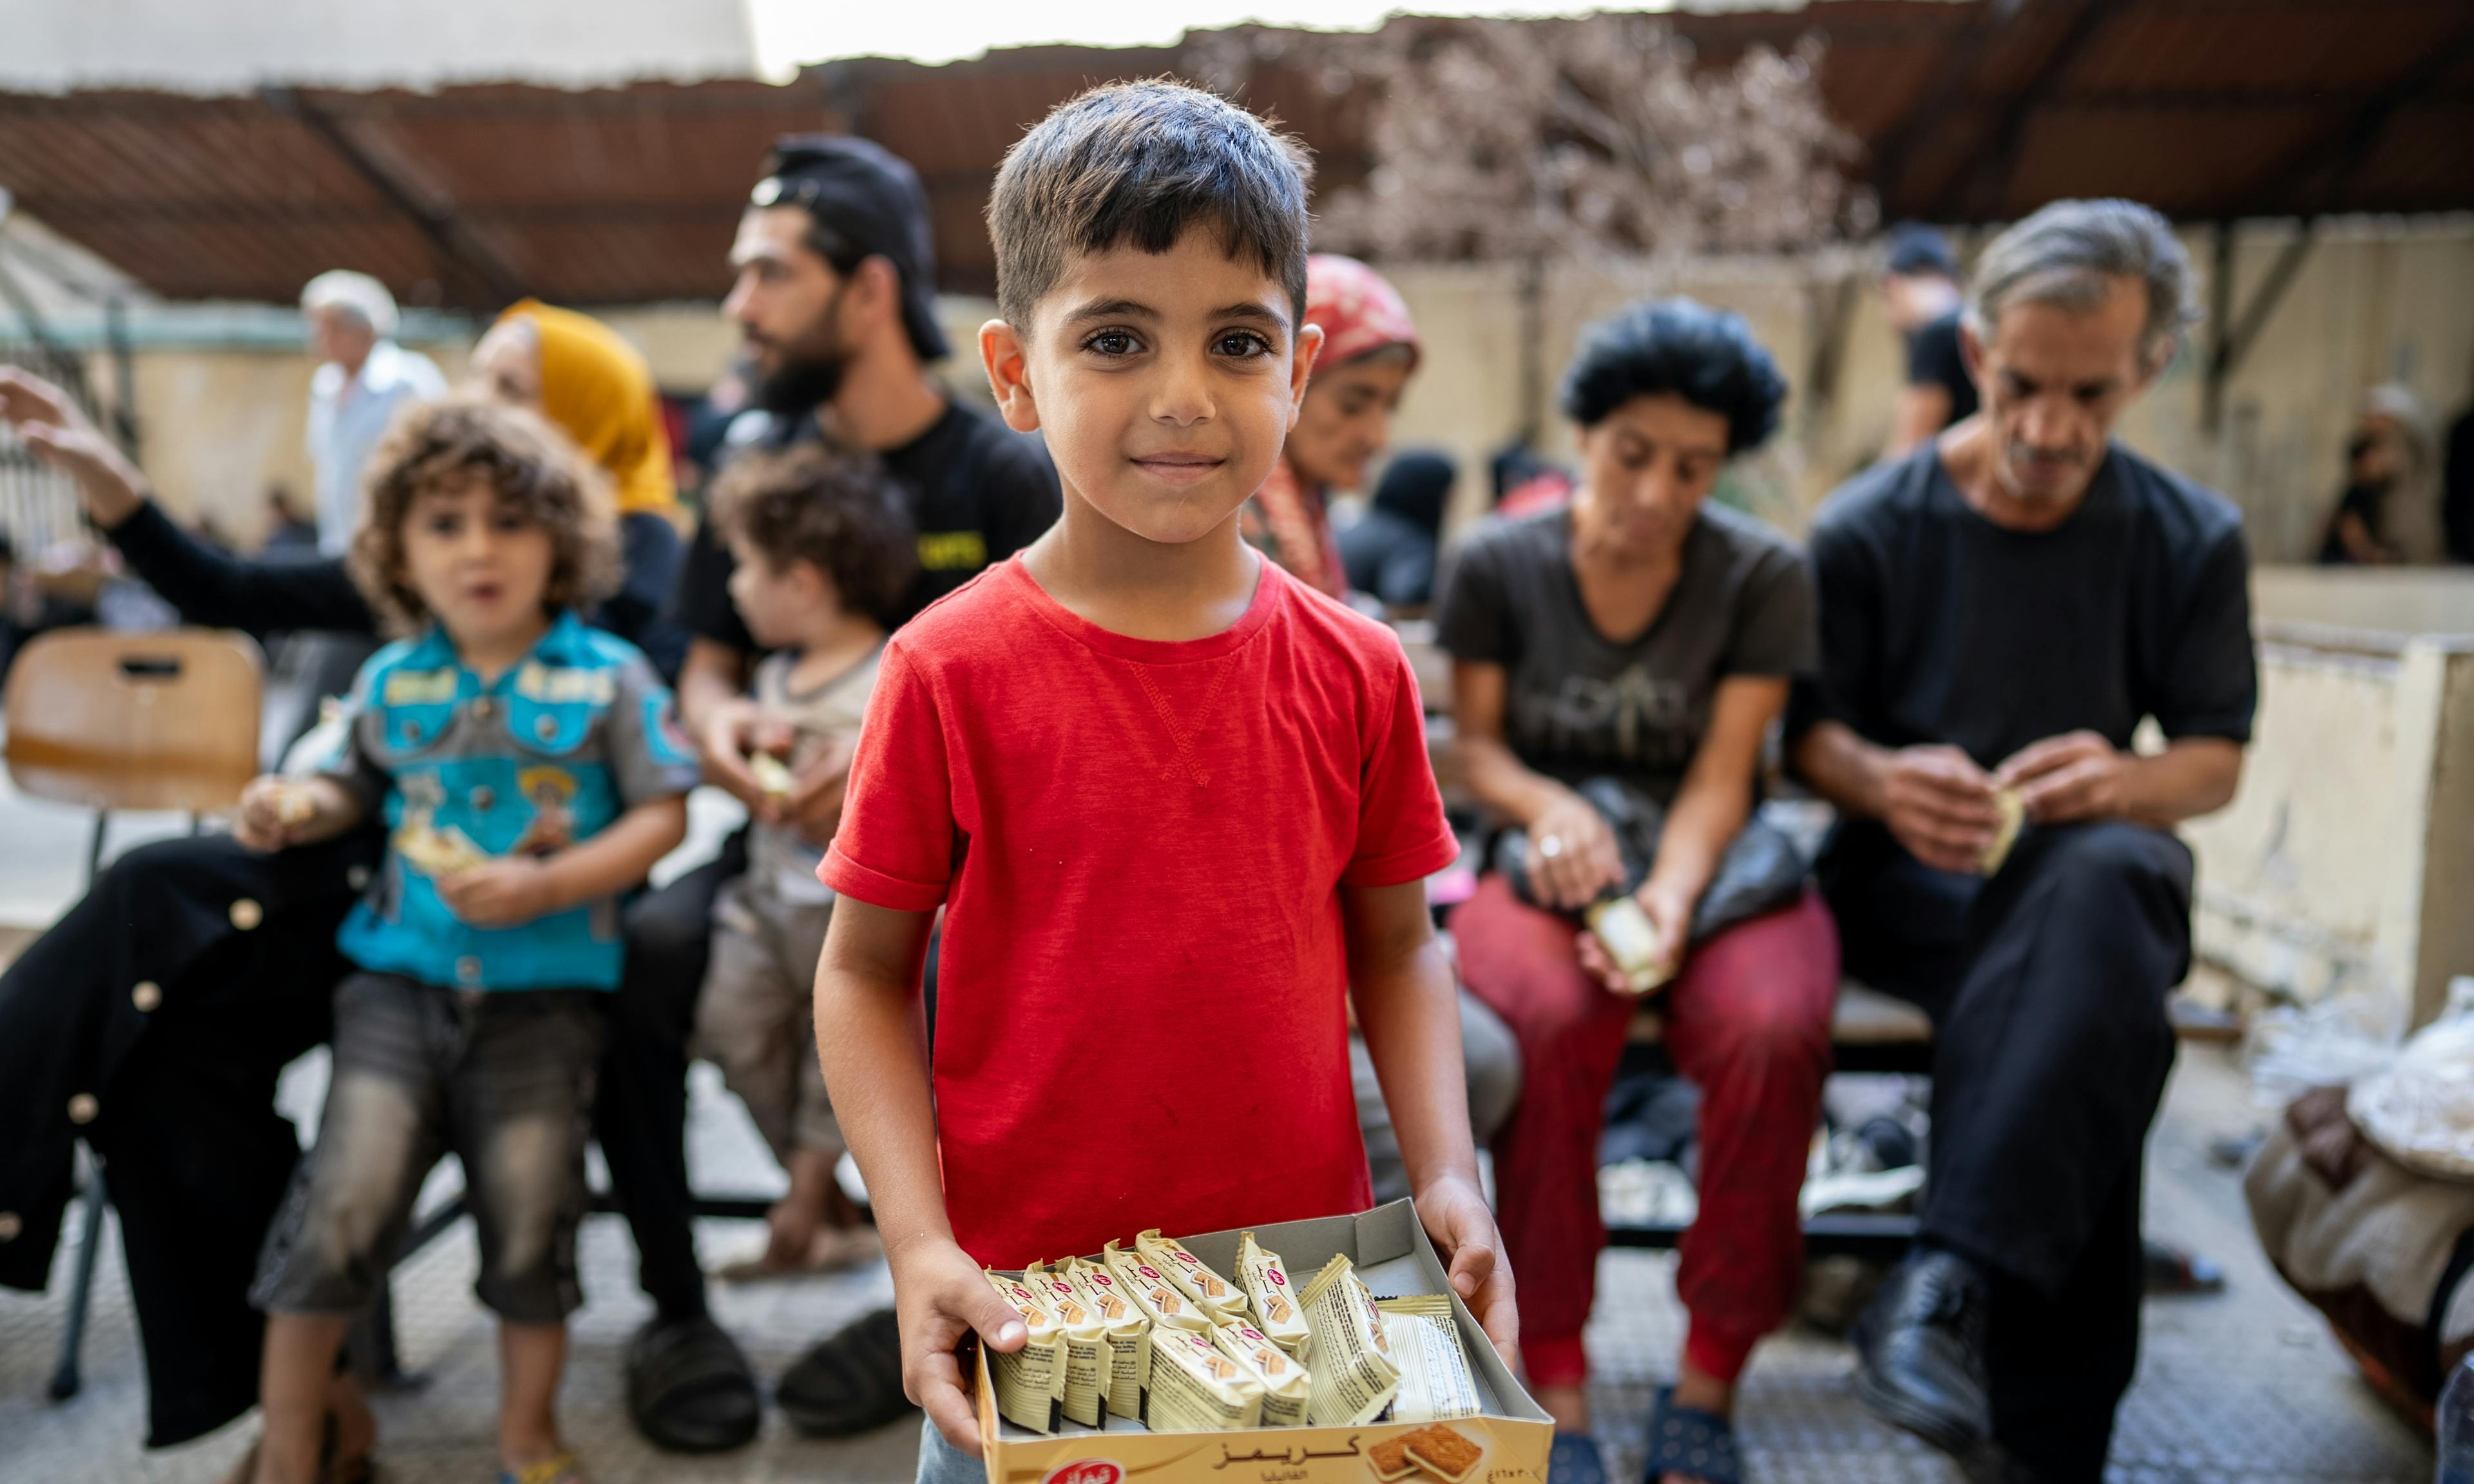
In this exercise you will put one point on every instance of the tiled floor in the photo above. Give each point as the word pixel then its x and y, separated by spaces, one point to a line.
pixel 2241 1388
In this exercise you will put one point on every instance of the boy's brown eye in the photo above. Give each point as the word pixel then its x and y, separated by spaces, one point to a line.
pixel 1111 343
pixel 1244 343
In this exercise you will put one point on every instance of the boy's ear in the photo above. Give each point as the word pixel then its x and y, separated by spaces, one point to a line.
pixel 1302 367
pixel 1008 365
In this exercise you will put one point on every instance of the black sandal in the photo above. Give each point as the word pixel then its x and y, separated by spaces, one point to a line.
pixel 690 1388
pixel 849 1382
pixel 1689 1440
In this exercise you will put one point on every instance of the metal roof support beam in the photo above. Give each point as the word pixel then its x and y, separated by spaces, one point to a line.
pixel 455 247
pixel 2232 345
pixel 1989 181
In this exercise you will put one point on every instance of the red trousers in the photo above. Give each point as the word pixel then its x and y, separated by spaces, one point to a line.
pixel 1748 1021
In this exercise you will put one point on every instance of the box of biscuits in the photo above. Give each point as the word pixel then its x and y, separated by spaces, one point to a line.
pixel 1325 1351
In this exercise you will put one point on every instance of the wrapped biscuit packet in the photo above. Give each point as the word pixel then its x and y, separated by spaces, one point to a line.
pixel 2012 808
pixel 1162 1303
pixel 1128 1330
pixel 1028 1382
pixel 1090 1356
pixel 1269 1294
pixel 1217 1296
pixel 1195 1388
pixel 1436 1382
pixel 1354 1377
pixel 1285 1383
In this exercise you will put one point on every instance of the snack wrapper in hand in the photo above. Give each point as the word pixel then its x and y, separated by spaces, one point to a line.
pixel 2013 810
pixel 1632 941
pixel 1269 1294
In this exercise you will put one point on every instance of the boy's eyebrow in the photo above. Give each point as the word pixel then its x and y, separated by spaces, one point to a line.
pixel 1130 309
pixel 1113 309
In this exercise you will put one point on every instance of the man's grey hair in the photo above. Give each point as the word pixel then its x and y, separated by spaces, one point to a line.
pixel 2071 252
pixel 356 295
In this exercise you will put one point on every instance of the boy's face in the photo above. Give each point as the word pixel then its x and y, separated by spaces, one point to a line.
pixel 481 568
pixel 780 605
pixel 1165 382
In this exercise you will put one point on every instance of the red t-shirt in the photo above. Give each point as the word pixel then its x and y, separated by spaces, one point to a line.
pixel 1140 1014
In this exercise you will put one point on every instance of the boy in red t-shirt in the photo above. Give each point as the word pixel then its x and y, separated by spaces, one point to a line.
pixel 1175 805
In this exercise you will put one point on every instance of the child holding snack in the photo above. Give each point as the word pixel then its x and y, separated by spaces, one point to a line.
pixel 824 551
pixel 1175 805
pixel 530 772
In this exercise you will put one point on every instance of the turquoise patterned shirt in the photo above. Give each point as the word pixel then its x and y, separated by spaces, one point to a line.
pixel 551 752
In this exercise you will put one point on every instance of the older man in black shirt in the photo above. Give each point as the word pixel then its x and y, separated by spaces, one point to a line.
pixel 1998 613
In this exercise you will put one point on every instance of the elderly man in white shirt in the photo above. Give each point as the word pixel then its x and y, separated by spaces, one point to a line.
pixel 363 377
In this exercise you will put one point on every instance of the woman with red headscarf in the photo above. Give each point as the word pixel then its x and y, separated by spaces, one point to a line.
pixel 1370 347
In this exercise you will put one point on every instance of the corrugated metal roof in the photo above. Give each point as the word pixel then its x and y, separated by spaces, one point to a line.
pixel 1976 110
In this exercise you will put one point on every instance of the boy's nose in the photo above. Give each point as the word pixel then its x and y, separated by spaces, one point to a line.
pixel 1182 394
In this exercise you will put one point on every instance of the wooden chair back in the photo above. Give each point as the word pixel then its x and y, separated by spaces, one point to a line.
pixel 136 721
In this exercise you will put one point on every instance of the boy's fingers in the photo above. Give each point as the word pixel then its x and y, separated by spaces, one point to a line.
pixel 937 1388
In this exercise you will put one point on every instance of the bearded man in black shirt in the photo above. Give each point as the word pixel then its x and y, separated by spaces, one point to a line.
pixel 2000 610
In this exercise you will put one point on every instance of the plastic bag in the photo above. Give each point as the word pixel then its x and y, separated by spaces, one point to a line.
pixel 2333 1042
pixel 2420 1109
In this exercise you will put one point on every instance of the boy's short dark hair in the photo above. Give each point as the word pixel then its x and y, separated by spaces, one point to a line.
pixel 1142 162
pixel 1705 356
pixel 834 508
pixel 535 470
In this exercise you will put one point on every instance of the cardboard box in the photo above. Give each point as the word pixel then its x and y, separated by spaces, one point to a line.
pixel 1393 1254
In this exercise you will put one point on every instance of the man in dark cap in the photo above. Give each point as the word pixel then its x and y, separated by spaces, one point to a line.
pixel 835 301
pixel 1920 281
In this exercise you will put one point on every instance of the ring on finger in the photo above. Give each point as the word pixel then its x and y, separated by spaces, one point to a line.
pixel 1550 846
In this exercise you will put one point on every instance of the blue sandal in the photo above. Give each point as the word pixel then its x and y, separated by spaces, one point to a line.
pixel 1573 1459
pixel 1688 1441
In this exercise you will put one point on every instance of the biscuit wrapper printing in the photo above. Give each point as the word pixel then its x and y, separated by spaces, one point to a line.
pixel 1031 1378
pixel 1215 1295
pixel 1127 1328
pixel 1353 1375
pixel 1162 1303
pixel 1436 1382
pixel 1269 1294
pixel 1195 1388
pixel 1286 1385
pixel 1090 1356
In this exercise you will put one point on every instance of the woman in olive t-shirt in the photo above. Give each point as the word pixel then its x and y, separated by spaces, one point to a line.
pixel 1645 635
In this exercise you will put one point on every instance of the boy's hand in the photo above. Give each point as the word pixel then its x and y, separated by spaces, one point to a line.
pixel 261 823
pixel 941 1301
pixel 723 741
pixel 499 892
pixel 1457 1219
pixel 815 803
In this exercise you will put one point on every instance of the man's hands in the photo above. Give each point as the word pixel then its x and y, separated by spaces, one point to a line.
pixel 2076 775
pixel 1456 1217
pixel 735 730
pixel 1939 805
pixel 941 1299
pixel 42 414
pixel 1572 855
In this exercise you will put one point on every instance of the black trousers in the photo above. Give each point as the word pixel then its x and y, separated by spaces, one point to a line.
pixel 642 1118
pixel 2047 987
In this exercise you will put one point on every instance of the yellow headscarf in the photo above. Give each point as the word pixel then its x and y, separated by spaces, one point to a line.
pixel 596 387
